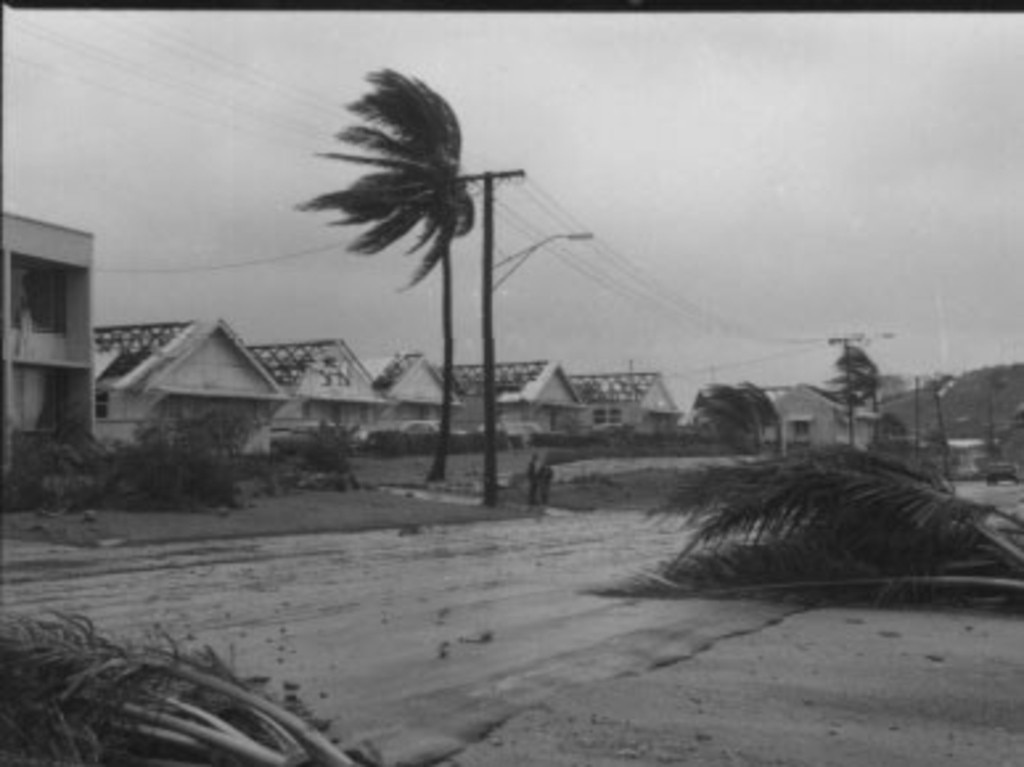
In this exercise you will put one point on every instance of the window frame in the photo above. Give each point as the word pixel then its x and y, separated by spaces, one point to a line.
pixel 53 294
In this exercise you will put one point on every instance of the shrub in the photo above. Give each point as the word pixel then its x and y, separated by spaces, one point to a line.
pixel 56 472
pixel 185 462
pixel 326 449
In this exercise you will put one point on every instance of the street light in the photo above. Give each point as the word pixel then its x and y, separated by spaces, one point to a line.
pixel 523 255
pixel 490 400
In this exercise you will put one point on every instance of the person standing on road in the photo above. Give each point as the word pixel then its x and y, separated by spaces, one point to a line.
pixel 544 477
pixel 532 477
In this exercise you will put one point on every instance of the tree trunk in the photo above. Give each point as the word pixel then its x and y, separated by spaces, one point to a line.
pixel 438 471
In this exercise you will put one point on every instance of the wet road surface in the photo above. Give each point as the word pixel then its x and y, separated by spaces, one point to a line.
pixel 419 641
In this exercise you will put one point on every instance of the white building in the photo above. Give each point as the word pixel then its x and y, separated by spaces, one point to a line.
pixel 178 370
pixel 46 284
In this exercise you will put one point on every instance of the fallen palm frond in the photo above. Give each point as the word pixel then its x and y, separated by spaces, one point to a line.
pixel 70 695
pixel 832 525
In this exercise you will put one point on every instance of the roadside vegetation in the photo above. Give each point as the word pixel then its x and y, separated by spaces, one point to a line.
pixel 172 465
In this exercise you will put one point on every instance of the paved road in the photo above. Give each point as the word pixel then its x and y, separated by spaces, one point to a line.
pixel 418 641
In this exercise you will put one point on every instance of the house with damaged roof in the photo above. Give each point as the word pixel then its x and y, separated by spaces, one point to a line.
pixel 326 383
pixel 412 386
pixel 179 370
pixel 637 401
pixel 538 392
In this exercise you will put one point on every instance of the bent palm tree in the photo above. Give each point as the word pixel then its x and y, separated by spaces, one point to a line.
pixel 858 377
pixel 415 141
pixel 739 414
pixel 836 522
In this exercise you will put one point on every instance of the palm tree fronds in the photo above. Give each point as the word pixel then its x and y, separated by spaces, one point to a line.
pixel 465 214
pixel 380 162
pixel 435 254
pixel 834 516
pixel 384 232
pixel 71 694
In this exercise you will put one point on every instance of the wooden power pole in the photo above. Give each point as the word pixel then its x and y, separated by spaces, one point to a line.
pixel 490 489
pixel 845 342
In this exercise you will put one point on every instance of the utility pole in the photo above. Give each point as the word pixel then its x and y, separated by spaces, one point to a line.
pixel 845 341
pixel 917 418
pixel 490 405
pixel 939 383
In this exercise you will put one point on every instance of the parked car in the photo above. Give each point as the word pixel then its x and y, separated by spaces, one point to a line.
pixel 518 433
pixel 418 427
pixel 999 471
pixel 366 435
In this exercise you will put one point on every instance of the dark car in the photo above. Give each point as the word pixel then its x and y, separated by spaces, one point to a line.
pixel 1000 471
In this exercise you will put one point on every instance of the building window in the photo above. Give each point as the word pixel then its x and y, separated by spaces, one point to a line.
pixel 41 398
pixel 600 416
pixel 614 415
pixel 174 408
pixel 801 431
pixel 41 296
pixel 102 409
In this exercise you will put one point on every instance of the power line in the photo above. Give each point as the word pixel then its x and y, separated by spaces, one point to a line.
pixel 188 50
pixel 197 116
pixel 599 273
pixel 642 279
pixel 232 265
pixel 147 74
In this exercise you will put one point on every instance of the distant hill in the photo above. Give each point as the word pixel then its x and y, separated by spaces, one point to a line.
pixel 965 403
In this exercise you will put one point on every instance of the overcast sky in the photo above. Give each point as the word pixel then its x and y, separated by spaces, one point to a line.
pixel 755 184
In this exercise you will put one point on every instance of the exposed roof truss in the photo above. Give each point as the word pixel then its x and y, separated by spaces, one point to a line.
pixel 508 377
pixel 288 363
pixel 613 387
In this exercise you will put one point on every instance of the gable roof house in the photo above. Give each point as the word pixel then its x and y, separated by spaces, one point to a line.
pixel 640 401
pixel 177 370
pixel 539 392
pixel 325 381
pixel 411 385
pixel 811 417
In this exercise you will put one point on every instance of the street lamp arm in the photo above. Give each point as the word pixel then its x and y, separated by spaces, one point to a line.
pixel 527 251
pixel 524 254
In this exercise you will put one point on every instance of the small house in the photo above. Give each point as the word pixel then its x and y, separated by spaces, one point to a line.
pixel 180 370
pixel 537 392
pixel 638 401
pixel 326 383
pixel 810 417
pixel 411 385
pixel 967 457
